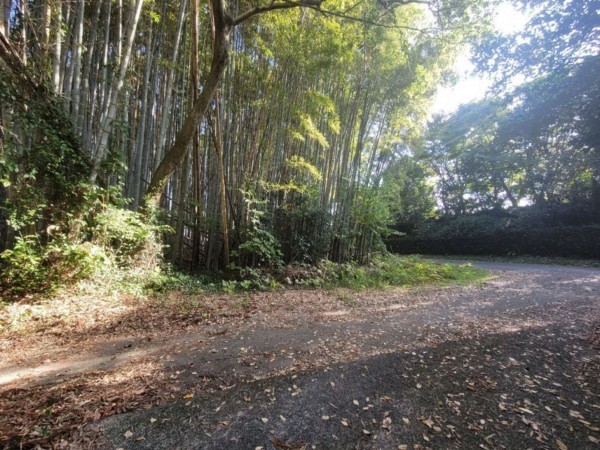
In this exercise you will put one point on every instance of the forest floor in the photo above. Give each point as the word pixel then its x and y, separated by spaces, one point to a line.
pixel 512 362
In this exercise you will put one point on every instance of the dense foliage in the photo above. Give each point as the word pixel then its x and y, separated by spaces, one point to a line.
pixel 275 133
pixel 269 137
pixel 566 231
pixel 530 151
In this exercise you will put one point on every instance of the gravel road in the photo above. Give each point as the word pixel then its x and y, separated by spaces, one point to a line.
pixel 511 363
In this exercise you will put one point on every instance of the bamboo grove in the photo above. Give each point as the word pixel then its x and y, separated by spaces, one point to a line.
pixel 293 157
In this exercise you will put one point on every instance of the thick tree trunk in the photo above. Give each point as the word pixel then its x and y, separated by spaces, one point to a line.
pixel 176 154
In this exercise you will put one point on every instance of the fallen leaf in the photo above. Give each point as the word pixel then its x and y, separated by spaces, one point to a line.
pixel 285 446
pixel 593 439
pixel 344 423
pixel 128 434
pixel 386 424
pixel 188 396
pixel 283 419
pixel 325 417
pixel 367 432
pixel 264 419
pixel 406 420
pixel 355 402
pixel 575 414
pixel 152 420
pixel 427 421
pixel 561 445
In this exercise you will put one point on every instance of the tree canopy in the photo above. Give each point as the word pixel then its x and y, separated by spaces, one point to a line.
pixel 250 124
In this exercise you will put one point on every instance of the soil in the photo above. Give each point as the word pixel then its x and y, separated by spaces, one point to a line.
pixel 510 363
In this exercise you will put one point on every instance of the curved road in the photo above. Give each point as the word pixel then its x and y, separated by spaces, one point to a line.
pixel 510 363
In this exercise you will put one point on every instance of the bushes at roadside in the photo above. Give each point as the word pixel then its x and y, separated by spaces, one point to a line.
pixel 108 239
pixel 573 242
pixel 392 270
pixel 566 232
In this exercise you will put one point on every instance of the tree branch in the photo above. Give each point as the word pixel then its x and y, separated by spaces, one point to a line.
pixel 316 6
pixel 273 6
pixel 367 21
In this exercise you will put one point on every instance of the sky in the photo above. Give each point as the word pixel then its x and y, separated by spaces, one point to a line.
pixel 470 87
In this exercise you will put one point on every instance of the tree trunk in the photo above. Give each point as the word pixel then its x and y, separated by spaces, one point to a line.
pixel 176 154
pixel 218 142
pixel 117 86
pixel 140 148
pixel 4 15
pixel 57 54
pixel 162 133
pixel 77 55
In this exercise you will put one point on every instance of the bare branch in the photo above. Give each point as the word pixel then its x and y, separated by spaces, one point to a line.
pixel 273 6
pixel 316 6
pixel 366 21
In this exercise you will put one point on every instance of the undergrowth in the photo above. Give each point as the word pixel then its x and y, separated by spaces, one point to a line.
pixel 384 271
pixel 117 297
pixel 391 270
pixel 545 260
pixel 109 247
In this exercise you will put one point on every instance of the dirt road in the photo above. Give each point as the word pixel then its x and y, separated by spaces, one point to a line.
pixel 513 363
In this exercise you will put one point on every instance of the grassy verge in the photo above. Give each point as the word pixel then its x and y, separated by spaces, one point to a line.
pixel 553 261
pixel 176 300
pixel 392 270
pixel 383 271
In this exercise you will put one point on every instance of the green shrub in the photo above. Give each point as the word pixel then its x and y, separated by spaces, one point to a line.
pixel 304 231
pixel 22 267
pixel 106 242
pixel 30 267
pixel 564 231
pixel 125 234
pixel 391 270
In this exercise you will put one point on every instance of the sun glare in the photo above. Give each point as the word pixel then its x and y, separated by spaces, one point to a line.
pixel 509 20
pixel 469 87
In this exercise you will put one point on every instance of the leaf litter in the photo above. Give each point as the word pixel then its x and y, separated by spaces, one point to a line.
pixel 535 400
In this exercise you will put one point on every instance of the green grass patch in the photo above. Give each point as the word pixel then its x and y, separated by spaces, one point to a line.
pixel 550 261
pixel 392 270
pixel 383 271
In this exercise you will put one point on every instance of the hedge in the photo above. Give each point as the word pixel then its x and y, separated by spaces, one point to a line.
pixel 565 241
